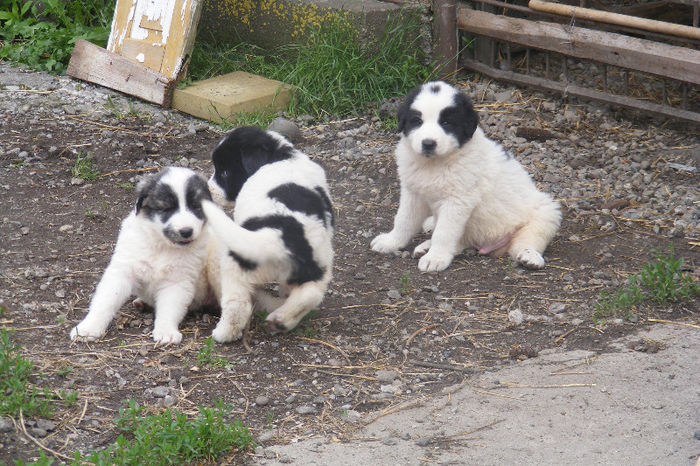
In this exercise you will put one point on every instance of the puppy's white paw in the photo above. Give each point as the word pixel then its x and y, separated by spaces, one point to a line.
pixel 385 243
pixel 434 262
pixel 422 248
pixel 167 336
pixel 530 258
pixel 226 333
pixel 83 332
pixel 429 224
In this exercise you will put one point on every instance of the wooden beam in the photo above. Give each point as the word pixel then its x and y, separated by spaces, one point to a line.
pixel 578 91
pixel 445 33
pixel 679 30
pixel 642 55
pixel 95 64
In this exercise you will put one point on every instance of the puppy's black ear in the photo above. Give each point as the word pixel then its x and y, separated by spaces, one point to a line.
pixel 143 188
pixel 255 156
pixel 404 111
pixel 470 119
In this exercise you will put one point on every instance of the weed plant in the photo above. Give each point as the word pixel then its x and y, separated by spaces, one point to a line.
pixel 661 282
pixel 84 168
pixel 17 392
pixel 171 438
pixel 42 33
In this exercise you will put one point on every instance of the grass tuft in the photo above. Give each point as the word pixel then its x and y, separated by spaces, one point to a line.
pixel 171 438
pixel 17 392
pixel 661 282
pixel 84 168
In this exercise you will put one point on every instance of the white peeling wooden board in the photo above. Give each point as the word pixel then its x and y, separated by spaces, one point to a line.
pixel 156 33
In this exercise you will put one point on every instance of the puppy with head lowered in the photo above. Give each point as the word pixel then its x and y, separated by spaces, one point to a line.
pixel 464 186
pixel 281 231
pixel 160 257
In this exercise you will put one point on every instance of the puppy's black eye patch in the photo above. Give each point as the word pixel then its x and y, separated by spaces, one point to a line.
pixel 161 201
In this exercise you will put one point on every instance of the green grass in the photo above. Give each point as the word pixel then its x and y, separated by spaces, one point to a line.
pixel 84 168
pixel 42 33
pixel 334 73
pixel 17 392
pixel 171 438
pixel 404 286
pixel 207 356
pixel 659 282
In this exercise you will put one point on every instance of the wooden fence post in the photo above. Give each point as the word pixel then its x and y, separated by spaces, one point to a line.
pixel 445 35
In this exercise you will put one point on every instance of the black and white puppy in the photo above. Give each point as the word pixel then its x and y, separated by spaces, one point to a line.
pixel 160 257
pixel 478 195
pixel 281 231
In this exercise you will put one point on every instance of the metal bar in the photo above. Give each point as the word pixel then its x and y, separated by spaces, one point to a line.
pixel 578 91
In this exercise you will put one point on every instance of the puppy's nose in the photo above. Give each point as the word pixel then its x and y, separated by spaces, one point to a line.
pixel 429 145
pixel 185 232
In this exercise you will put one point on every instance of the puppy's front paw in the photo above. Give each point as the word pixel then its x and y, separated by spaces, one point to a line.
pixel 275 326
pixel 83 332
pixel 385 243
pixel 422 248
pixel 167 336
pixel 226 333
pixel 530 258
pixel 434 262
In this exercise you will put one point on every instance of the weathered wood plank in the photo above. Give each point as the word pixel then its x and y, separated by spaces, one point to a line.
pixel 647 56
pixel 97 65
pixel 578 91
pixel 663 27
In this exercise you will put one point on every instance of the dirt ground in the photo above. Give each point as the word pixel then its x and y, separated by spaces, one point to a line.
pixel 384 335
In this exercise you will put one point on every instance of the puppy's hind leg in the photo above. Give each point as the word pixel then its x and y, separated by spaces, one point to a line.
pixel 302 299
pixel 236 311
pixel 529 243
pixel 112 291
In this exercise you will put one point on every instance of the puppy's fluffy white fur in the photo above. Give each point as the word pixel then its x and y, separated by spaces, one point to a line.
pixel 281 231
pixel 478 195
pixel 160 257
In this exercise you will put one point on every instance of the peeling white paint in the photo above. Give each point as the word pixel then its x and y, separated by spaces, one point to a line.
pixel 160 11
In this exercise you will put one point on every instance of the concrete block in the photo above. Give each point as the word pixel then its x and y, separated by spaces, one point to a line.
pixel 222 97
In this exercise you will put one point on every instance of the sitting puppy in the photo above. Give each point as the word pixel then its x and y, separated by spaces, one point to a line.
pixel 282 231
pixel 160 256
pixel 477 194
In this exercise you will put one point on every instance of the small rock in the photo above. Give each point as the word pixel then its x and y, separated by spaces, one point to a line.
pixel 266 435
pixel 286 128
pixel 169 401
pixel 305 409
pixel 515 316
pixel 389 440
pixel 161 391
pixel 423 442
pixel 386 376
pixel 394 294
pixel 46 425
pixel 6 425
pixel 262 400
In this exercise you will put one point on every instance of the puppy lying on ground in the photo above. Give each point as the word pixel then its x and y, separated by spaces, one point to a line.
pixel 282 232
pixel 477 194
pixel 160 256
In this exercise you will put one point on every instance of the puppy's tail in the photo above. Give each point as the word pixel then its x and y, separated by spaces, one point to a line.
pixel 247 247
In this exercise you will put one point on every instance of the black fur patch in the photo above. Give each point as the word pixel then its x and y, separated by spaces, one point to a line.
pixel 435 89
pixel 195 192
pixel 241 153
pixel 304 267
pixel 297 198
pixel 406 116
pixel 157 199
pixel 245 264
pixel 460 119
pixel 329 206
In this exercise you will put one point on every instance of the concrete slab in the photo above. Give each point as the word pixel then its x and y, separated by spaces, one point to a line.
pixel 223 97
